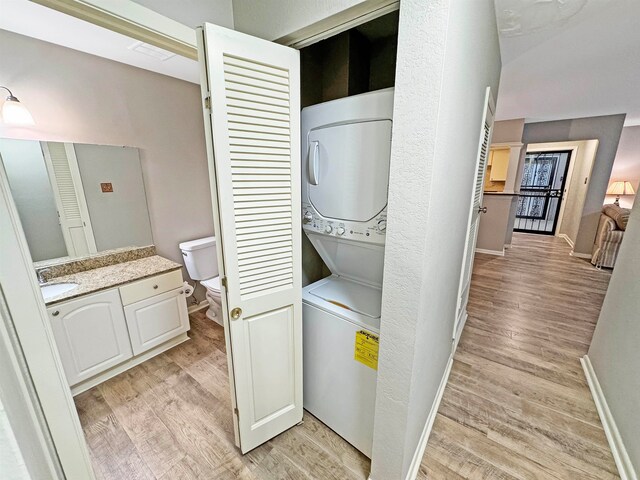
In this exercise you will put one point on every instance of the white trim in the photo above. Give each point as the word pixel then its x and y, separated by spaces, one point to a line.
pixel 460 327
pixel 507 144
pixel 566 238
pixel 424 438
pixel 580 255
pixel 618 449
pixel 499 253
pixel 507 245
pixel 338 23
pixel 33 329
pixel 123 367
pixel 133 20
pixel 196 307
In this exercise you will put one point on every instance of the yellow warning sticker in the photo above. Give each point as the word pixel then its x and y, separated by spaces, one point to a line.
pixel 366 349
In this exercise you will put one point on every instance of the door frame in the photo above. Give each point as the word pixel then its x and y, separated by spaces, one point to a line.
pixel 34 334
pixel 35 337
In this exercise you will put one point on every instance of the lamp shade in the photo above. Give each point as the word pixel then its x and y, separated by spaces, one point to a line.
pixel 620 188
pixel 15 112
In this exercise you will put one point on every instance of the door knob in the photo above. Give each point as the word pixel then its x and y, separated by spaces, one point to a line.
pixel 235 313
pixel 482 210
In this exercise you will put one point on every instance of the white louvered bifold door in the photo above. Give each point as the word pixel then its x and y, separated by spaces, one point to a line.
pixel 475 211
pixel 253 125
pixel 64 176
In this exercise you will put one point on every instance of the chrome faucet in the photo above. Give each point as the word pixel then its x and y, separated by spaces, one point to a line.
pixel 41 273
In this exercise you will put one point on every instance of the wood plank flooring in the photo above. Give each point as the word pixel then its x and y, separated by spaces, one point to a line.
pixel 517 405
pixel 170 419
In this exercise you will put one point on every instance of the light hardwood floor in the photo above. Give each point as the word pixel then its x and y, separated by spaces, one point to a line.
pixel 517 405
pixel 170 419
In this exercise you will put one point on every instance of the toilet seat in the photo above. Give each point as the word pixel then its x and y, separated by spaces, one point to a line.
pixel 212 284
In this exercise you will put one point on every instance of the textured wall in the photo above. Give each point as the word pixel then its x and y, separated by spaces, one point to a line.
pixel 614 350
pixel 81 98
pixel 606 129
pixel 447 55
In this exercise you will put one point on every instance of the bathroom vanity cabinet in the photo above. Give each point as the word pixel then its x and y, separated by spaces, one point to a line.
pixel 91 334
pixel 102 334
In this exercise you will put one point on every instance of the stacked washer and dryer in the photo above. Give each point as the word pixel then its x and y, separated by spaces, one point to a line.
pixel 346 147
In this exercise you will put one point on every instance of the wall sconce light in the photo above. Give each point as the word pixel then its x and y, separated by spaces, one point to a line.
pixel 14 112
pixel 620 188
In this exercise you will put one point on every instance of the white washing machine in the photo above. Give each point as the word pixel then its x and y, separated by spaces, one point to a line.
pixel 346 150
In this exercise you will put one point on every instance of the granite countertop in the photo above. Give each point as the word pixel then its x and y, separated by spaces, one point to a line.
pixel 97 279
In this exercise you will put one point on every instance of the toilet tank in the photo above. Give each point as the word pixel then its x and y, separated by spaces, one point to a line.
pixel 200 258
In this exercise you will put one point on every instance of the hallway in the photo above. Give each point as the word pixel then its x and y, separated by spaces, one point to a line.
pixel 517 405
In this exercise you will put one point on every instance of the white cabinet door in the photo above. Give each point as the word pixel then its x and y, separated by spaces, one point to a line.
pixel 157 319
pixel 253 141
pixel 91 334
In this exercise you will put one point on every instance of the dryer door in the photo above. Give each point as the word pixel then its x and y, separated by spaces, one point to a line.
pixel 351 169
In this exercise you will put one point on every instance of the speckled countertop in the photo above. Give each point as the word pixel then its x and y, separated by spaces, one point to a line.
pixel 91 281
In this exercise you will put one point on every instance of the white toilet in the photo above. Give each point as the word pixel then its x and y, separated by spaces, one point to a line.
pixel 202 264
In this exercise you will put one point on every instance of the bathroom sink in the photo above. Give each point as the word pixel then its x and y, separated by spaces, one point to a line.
pixel 49 291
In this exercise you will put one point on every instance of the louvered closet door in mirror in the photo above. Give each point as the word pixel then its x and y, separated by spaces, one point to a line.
pixel 254 124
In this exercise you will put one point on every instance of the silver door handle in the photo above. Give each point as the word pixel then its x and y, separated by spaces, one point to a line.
pixel 312 165
pixel 482 210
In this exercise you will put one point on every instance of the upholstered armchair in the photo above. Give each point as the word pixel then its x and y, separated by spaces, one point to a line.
pixel 611 228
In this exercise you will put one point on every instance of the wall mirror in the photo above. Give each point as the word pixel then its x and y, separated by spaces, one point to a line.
pixel 76 200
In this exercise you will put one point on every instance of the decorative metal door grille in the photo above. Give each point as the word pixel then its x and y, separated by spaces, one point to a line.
pixel 541 192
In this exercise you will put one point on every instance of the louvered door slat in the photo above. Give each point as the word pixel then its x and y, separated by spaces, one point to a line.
pixel 254 88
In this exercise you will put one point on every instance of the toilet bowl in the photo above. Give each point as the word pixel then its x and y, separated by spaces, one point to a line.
pixel 202 265
pixel 213 297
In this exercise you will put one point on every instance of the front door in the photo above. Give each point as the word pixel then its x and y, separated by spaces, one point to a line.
pixel 251 92
pixel 541 192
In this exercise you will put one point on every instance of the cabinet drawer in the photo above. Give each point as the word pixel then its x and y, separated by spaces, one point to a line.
pixel 142 289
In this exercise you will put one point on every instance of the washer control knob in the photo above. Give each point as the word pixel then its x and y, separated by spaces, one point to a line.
pixel 307 217
pixel 328 229
pixel 382 225
pixel 340 230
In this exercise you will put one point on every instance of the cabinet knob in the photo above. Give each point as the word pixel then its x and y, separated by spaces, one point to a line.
pixel 155 287
pixel 56 313
pixel 181 292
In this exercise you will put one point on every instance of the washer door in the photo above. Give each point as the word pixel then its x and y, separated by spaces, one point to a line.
pixel 350 165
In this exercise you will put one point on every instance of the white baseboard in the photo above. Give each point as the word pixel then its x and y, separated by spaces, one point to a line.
pixel 424 438
pixel 580 255
pixel 132 362
pixel 566 238
pixel 618 449
pixel 499 253
pixel 461 323
pixel 198 306
pixel 507 245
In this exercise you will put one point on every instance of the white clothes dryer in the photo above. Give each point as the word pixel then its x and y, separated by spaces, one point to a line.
pixel 346 149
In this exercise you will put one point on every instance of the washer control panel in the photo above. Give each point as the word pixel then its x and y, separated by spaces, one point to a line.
pixel 372 231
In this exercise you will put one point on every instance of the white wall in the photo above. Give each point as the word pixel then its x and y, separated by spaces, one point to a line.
pixel 615 351
pixel 80 98
pixel 119 218
pixel 33 195
pixel 626 165
pixel 447 55
pixel 272 19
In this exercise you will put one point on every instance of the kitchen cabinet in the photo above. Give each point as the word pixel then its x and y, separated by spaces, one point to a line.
pixel 499 163
pixel 91 334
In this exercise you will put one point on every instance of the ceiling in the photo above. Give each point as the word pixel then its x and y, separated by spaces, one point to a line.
pixel 569 58
pixel 561 58
pixel 33 20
